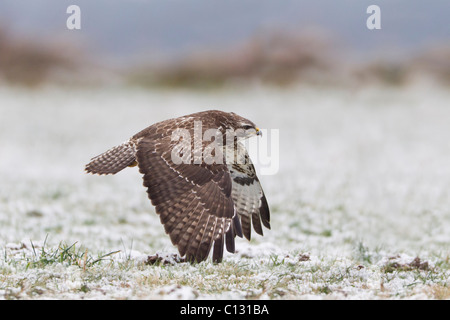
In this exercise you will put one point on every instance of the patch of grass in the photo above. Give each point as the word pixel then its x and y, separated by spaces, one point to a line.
pixel 416 264
pixel 440 292
pixel 65 254
pixel 364 255
pixel 443 262
pixel 326 233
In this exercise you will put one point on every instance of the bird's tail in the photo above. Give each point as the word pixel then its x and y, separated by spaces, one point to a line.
pixel 114 160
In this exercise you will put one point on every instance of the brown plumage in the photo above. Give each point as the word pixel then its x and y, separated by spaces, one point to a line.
pixel 202 204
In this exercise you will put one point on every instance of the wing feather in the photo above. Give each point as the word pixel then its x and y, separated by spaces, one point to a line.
pixel 193 201
pixel 248 196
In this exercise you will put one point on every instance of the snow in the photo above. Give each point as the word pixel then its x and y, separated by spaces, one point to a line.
pixel 363 189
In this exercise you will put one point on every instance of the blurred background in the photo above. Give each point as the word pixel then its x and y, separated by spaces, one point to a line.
pixel 200 43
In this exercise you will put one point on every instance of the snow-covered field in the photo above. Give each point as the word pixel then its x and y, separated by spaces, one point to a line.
pixel 360 204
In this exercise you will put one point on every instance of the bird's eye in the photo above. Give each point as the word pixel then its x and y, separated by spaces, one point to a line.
pixel 247 127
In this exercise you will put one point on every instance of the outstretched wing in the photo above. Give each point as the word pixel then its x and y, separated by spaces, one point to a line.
pixel 248 195
pixel 193 200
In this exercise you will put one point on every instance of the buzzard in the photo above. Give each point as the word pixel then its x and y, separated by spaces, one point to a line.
pixel 199 177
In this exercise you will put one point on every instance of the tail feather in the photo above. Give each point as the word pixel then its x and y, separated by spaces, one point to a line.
pixel 113 160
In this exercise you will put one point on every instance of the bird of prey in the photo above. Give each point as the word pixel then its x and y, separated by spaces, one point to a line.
pixel 203 202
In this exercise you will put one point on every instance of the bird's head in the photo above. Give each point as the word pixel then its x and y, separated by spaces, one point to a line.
pixel 228 122
pixel 243 127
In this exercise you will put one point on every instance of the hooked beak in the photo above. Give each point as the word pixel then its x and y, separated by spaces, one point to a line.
pixel 258 132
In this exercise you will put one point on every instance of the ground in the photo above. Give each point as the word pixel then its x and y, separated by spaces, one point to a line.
pixel 360 203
